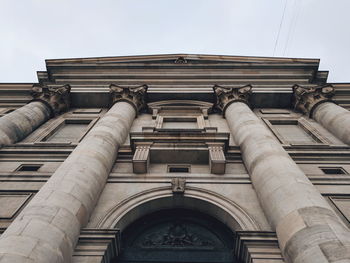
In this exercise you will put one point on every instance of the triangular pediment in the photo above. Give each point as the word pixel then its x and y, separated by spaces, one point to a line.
pixel 177 59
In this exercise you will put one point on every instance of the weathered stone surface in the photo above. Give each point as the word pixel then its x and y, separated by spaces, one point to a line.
pixel 306 99
pixel 47 102
pixel 291 203
pixel 133 95
pixel 18 124
pixel 57 99
pixel 335 119
pixel 70 194
pixel 225 96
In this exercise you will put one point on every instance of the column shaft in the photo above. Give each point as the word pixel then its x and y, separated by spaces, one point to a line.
pixel 18 124
pixel 48 228
pixel 335 119
pixel 307 228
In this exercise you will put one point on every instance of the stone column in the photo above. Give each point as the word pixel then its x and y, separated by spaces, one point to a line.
pixel 317 104
pixel 47 102
pixel 48 228
pixel 307 228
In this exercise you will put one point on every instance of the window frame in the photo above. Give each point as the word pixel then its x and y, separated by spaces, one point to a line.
pixel 18 169
pixel 186 166
pixel 199 120
pixel 303 124
pixel 55 127
pixel 344 172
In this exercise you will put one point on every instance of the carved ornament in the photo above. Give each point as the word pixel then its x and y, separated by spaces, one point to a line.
pixel 180 60
pixel 133 95
pixel 57 99
pixel 177 236
pixel 306 99
pixel 225 96
pixel 178 185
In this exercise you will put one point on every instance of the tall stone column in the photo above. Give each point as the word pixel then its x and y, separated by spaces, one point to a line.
pixel 47 102
pixel 48 228
pixel 317 104
pixel 307 228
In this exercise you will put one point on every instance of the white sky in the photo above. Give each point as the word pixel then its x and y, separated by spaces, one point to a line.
pixel 34 30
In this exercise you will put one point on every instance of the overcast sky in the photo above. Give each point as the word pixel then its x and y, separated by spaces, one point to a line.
pixel 34 30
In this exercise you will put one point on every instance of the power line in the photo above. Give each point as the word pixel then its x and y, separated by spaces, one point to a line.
pixel 279 29
pixel 293 24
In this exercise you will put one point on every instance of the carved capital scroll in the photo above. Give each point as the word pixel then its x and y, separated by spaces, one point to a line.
pixel 306 99
pixel 136 96
pixel 225 96
pixel 57 99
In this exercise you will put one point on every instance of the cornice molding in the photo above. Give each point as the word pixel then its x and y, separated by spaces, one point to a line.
pixel 136 96
pixel 226 95
pixel 305 100
pixel 56 98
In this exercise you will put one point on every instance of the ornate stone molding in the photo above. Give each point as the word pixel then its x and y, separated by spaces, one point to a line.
pixel 57 99
pixel 133 95
pixel 225 96
pixel 180 60
pixel 306 99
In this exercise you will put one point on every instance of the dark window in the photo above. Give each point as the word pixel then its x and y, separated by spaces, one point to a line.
pixel 29 167
pixel 10 110
pixel 333 170
pixel 178 168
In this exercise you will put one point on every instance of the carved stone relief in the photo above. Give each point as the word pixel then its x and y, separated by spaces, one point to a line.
pixel 225 95
pixel 57 99
pixel 134 95
pixel 306 99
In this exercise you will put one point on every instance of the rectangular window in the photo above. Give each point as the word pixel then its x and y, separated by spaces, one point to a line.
pixel 290 131
pixel 68 131
pixel 29 167
pixel 180 123
pixel 333 170
pixel 178 168
pixel 274 111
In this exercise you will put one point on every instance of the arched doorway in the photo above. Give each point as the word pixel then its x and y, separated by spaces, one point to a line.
pixel 177 235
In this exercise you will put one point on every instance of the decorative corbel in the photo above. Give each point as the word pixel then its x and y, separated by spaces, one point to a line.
pixel 178 185
pixel 225 96
pixel 306 99
pixel 136 96
pixel 57 99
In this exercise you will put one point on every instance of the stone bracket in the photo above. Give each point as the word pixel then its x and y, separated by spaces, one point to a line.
pixel 136 96
pixel 141 158
pixel 178 185
pixel 217 160
pixel 225 96
pixel 306 99
pixel 57 99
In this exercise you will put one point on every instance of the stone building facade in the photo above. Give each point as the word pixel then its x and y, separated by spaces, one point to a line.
pixel 175 158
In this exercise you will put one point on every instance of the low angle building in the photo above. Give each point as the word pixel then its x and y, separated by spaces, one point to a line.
pixel 175 158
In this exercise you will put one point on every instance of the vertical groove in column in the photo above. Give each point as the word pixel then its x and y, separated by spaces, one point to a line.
pixel 335 119
pixel 16 125
pixel 307 228
pixel 48 228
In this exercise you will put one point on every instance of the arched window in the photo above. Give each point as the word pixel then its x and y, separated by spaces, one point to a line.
pixel 177 235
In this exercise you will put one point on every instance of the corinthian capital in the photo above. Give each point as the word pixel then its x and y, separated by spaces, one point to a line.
pixel 133 95
pixel 225 96
pixel 57 99
pixel 306 99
